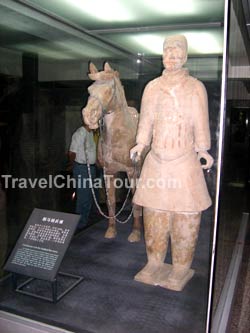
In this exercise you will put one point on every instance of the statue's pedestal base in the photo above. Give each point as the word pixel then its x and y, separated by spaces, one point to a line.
pixel 161 278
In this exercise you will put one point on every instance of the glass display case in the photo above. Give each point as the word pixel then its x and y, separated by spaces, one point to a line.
pixel 45 50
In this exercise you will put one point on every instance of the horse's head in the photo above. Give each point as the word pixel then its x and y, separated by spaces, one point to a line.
pixel 101 94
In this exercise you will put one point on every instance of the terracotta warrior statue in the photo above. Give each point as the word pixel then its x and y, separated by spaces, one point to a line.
pixel 172 189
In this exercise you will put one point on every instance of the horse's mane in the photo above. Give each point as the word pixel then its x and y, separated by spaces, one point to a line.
pixel 120 93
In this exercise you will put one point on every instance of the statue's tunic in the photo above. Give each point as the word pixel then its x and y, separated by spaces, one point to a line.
pixel 174 120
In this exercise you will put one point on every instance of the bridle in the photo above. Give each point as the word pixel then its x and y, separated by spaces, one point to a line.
pixel 104 109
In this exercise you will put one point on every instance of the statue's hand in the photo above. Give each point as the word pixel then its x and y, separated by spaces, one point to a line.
pixel 207 157
pixel 136 151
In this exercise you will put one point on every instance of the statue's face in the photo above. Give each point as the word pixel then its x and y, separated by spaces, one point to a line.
pixel 174 57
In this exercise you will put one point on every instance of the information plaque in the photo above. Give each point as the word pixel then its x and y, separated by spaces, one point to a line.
pixel 42 244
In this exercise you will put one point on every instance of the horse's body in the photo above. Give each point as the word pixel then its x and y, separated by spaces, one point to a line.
pixel 107 100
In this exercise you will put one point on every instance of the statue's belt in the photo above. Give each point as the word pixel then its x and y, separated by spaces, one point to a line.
pixel 180 159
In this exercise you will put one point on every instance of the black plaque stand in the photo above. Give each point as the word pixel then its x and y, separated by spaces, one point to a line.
pixel 55 297
pixel 39 252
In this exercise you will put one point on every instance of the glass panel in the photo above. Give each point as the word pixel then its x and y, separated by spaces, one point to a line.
pixel 44 65
pixel 235 175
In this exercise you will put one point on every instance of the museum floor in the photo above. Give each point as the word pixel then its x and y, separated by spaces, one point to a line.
pixel 108 299
pixel 240 322
pixel 234 201
pixel 240 317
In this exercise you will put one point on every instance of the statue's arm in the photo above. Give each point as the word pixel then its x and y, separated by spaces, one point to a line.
pixel 201 126
pixel 145 126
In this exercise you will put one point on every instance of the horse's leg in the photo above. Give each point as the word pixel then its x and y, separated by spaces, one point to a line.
pixel 111 231
pixel 135 235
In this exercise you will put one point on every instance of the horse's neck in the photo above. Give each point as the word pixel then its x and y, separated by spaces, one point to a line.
pixel 113 122
pixel 117 117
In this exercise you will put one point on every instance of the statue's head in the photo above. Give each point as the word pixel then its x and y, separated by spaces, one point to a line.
pixel 174 52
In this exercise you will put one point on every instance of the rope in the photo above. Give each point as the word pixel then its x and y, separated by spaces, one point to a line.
pixel 115 216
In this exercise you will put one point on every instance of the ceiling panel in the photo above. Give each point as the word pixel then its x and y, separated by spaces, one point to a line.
pixel 92 29
pixel 31 33
pixel 205 41
pixel 93 14
pixel 10 36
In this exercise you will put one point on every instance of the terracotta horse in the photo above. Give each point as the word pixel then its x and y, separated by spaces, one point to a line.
pixel 107 100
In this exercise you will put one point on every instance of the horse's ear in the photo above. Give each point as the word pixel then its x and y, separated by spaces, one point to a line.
pixel 107 67
pixel 92 68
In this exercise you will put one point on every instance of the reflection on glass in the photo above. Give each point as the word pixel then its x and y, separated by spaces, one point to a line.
pixel 43 75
